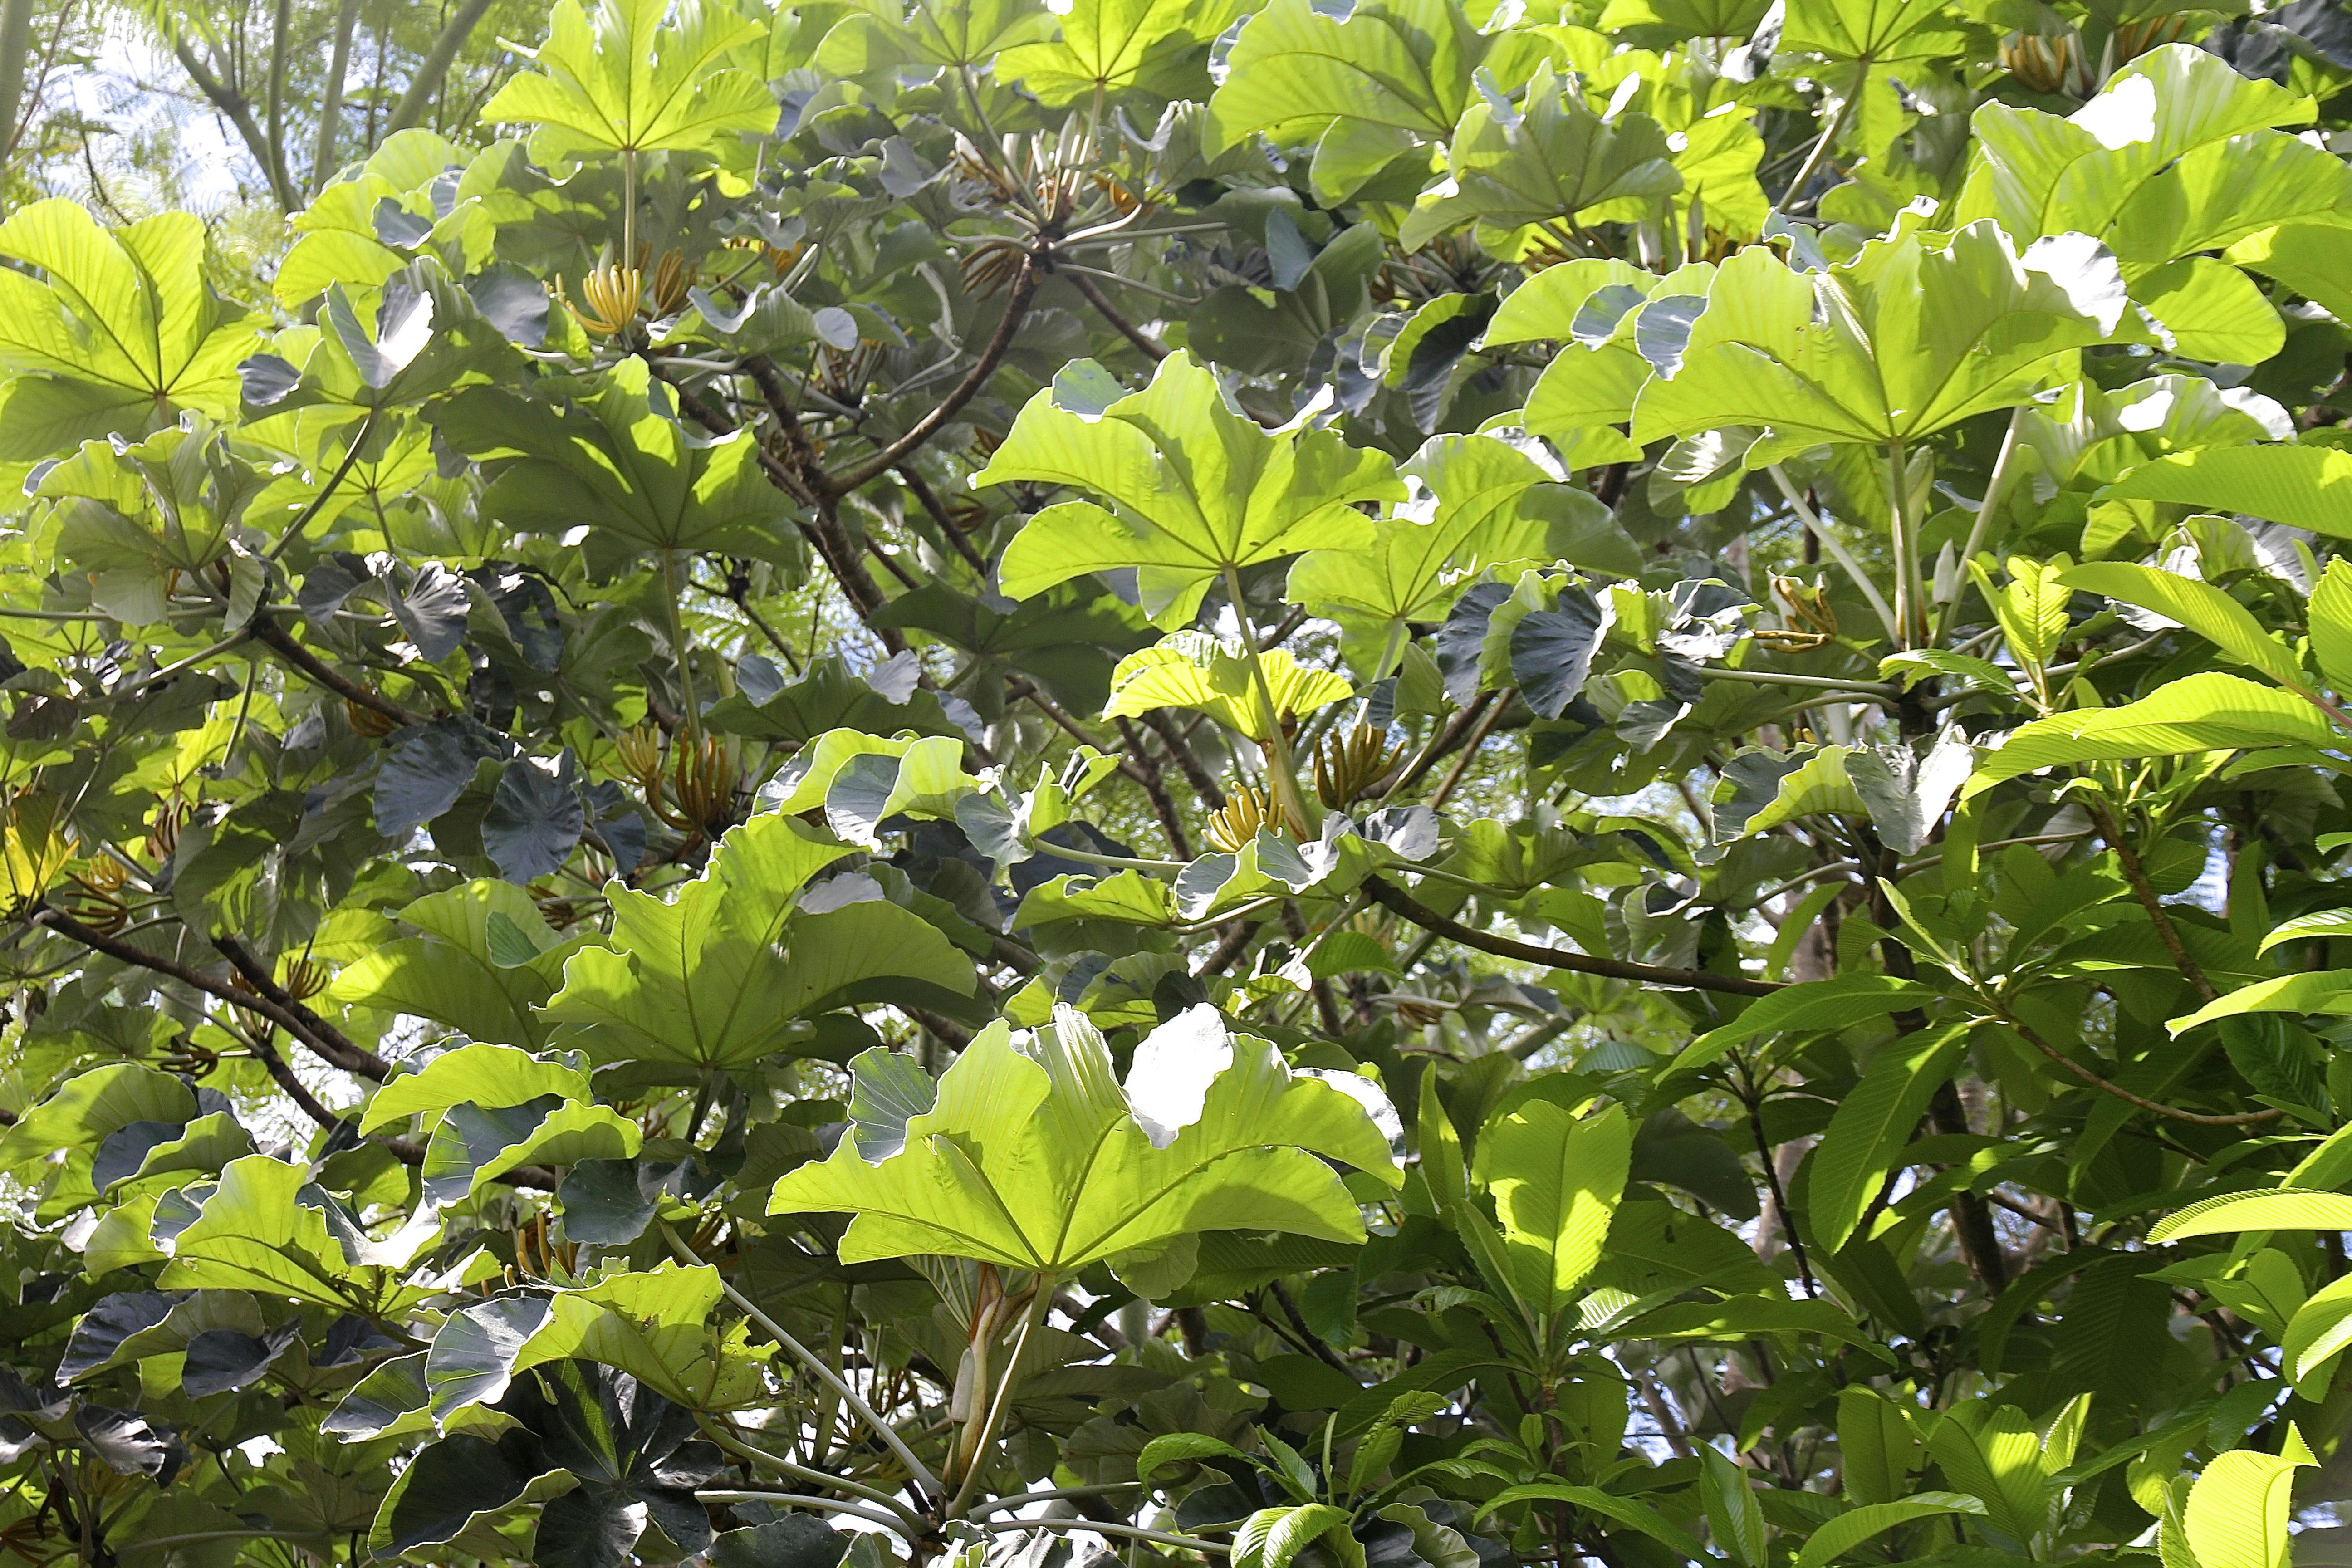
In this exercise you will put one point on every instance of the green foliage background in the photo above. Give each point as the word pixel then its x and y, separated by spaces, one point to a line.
pixel 1394 785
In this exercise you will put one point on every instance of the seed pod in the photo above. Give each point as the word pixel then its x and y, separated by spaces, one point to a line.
pixel 610 297
pixel 304 979
pixel 2134 39
pixel 188 1058
pixel 163 829
pixel 640 752
pixel 93 907
pixel 1806 605
pixel 1347 766
pixel 1238 820
pixel 2042 64
pixel 703 778
pixel 673 276
pixel 367 720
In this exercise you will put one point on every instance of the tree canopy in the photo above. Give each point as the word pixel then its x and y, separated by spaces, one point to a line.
pixel 1398 784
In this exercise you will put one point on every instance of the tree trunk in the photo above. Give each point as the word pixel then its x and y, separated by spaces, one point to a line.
pixel 330 103
pixel 15 52
pixel 435 65
pixel 281 40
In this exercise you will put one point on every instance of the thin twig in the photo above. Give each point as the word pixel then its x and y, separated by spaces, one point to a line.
pixel 883 1429
pixel 332 1044
pixel 818 1504
pixel 1097 1527
pixel 1398 901
pixel 271 635
pixel 2136 873
pixel 1016 309
pixel 1148 346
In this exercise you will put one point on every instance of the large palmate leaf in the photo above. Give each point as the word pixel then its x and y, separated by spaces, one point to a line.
pixel 1556 1180
pixel 427 337
pixel 485 964
pixel 2176 154
pixel 1066 637
pixel 605 1456
pixel 477 1073
pixel 827 697
pixel 1868 32
pixel 1489 502
pixel 109 331
pixel 267 1228
pixel 886 35
pixel 2302 487
pixel 1610 319
pixel 1905 339
pixel 860 781
pixel 472 1144
pixel 619 459
pixel 718 975
pixel 1196 487
pixel 336 237
pixel 2092 436
pixel 1362 86
pixel 1033 1155
pixel 654 1326
pixel 1192 669
pixel 1543 162
pixel 1109 45
pixel 1903 792
pixel 2204 712
pixel 624 79
pixel 1866 1136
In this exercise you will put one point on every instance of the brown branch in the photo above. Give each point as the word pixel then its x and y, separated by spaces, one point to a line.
pixel 890 564
pixel 264 1052
pixel 799 458
pixel 1476 737
pixel 123 951
pixel 291 1022
pixel 1452 736
pixel 1230 946
pixel 1151 348
pixel 276 639
pixel 434 69
pixel 929 500
pixel 1326 1005
pixel 1782 1215
pixel 2136 873
pixel 1188 762
pixel 783 468
pixel 2025 1033
pixel 952 1035
pixel 1972 1227
pixel 281 39
pixel 768 377
pixel 330 1044
pixel 1281 633
pixel 1016 308
pixel 690 402
pixel 234 106
pixel 1147 773
pixel 739 591
pixel 1398 901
